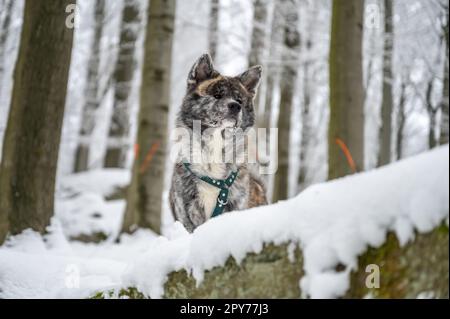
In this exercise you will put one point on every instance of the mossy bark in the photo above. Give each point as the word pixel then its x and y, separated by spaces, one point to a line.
pixel 421 266
pixel 269 274
pixel 32 137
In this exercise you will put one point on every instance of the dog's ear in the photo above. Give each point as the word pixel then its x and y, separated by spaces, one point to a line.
pixel 250 79
pixel 202 70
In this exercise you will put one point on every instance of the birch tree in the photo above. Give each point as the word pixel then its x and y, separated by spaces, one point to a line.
pixel 272 73
pixel 125 67
pixel 307 69
pixel 213 36
pixel 258 48
pixel 445 93
pixel 401 121
pixel 385 136
pixel 432 111
pixel 288 80
pixel 346 126
pixel 92 92
pixel 31 142
pixel 4 31
pixel 144 202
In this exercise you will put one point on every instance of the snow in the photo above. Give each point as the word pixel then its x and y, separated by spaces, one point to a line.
pixel 32 266
pixel 331 222
pixel 103 181
pixel 82 204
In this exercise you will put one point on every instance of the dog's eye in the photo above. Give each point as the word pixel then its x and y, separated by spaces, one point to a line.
pixel 239 101
pixel 218 96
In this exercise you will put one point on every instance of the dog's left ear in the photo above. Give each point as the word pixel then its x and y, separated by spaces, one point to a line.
pixel 202 70
pixel 250 79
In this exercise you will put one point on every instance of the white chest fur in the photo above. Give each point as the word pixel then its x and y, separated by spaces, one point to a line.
pixel 208 197
pixel 212 166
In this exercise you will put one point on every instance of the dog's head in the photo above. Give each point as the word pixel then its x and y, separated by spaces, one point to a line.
pixel 219 101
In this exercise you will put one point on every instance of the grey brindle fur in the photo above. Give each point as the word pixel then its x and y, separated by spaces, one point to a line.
pixel 220 103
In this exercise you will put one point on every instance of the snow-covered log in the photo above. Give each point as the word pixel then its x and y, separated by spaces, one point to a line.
pixel 382 233
pixel 419 269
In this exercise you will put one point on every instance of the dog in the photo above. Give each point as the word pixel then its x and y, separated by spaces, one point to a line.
pixel 219 105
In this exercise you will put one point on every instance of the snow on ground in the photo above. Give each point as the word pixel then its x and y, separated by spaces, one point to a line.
pixel 332 222
pixel 81 202
pixel 51 267
pixel 102 181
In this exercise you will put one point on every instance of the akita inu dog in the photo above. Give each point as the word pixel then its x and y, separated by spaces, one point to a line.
pixel 216 104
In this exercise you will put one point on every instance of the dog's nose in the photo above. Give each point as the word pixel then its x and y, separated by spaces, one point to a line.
pixel 234 107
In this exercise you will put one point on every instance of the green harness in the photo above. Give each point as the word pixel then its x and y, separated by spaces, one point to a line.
pixel 222 184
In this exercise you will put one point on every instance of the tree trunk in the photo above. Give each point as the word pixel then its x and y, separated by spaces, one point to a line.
pixel 145 193
pixel 213 36
pixel 288 81
pixel 118 142
pixel 30 150
pixel 432 142
pixel 306 127
pixel 258 41
pixel 445 94
pixel 92 93
pixel 432 111
pixel 401 121
pixel 276 34
pixel 4 32
pixel 346 126
pixel 307 86
pixel 385 136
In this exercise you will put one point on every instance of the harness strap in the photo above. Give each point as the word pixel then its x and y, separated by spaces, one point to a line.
pixel 222 184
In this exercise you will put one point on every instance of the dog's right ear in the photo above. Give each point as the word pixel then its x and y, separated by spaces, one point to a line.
pixel 202 70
